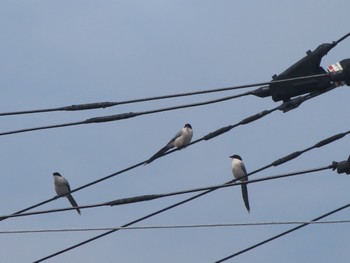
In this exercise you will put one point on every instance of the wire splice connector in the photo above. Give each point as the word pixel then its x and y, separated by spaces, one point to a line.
pixel 342 167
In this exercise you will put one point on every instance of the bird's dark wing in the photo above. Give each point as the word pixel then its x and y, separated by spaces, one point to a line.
pixel 158 154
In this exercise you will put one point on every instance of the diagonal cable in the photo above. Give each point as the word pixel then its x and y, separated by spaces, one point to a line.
pixel 260 92
pixel 140 219
pixel 150 197
pixel 121 116
pixel 107 104
pixel 283 233
pixel 206 137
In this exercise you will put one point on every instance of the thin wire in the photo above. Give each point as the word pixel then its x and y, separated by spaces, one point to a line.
pixel 128 224
pixel 122 116
pixel 150 197
pixel 169 227
pixel 128 115
pixel 99 105
pixel 283 233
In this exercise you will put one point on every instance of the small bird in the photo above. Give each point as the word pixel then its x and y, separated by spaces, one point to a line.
pixel 63 189
pixel 180 140
pixel 240 173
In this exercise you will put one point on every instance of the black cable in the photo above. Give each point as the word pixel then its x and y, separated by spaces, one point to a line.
pixel 146 217
pixel 143 218
pixel 210 136
pixel 283 233
pixel 163 210
pixel 100 105
pixel 74 190
pixel 122 116
pixel 275 163
pixel 341 39
pixel 150 197
pixel 206 137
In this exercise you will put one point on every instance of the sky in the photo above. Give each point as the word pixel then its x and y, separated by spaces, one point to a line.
pixel 60 53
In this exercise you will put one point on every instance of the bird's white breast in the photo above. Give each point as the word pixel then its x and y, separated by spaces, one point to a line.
pixel 237 169
pixel 185 137
pixel 61 185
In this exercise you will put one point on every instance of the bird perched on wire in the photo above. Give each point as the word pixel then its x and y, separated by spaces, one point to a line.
pixel 240 173
pixel 180 140
pixel 63 189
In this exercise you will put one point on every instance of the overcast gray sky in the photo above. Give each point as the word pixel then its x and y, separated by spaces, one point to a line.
pixel 69 52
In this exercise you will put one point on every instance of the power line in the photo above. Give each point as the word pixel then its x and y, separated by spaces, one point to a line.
pixel 275 163
pixel 150 197
pixel 136 221
pixel 293 157
pixel 128 115
pixel 102 105
pixel 121 116
pixel 284 106
pixel 208 137
pixel 99 105
pixel 170 227
pixel 74 190
pixel 283 233
pixel 233 182
pixel 204 138
pixel 262 92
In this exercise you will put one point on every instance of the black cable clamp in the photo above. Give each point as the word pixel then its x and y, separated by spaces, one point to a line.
pixel 342 167
pixel 318 79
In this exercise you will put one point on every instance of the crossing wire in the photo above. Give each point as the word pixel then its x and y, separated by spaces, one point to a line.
pixel 283 233
pixel 207 137
pixel 139 220
pixel 106 104
pixel 150 197
pixel 128 115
